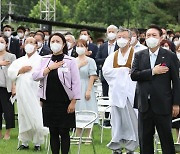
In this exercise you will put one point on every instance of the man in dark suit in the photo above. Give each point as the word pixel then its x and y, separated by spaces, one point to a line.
pixel 13 44
pixel 156 71
pixel 21 38
pixel 71 44
pixel 106 49
pixel 42 48
pixel 92 48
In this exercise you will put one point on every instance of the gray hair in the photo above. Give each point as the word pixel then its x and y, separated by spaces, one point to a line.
pixel 113 27
pixel 73 38
pixel 121 29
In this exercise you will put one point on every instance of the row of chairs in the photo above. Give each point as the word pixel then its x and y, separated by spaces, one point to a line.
pixel 104 106
pixel 84 120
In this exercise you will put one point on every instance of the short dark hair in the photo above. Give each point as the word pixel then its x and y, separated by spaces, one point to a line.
pixel 100 40
pixel 135 30
pixel 42 36
pixel 27 28
pixel 82 30
pixel 68 33
pixel 175 36
pixel 40 31
pixel 21 28
pixel 5 38
pixel 46 30
pixel 157 28
pixel 65 49
pixel 8 26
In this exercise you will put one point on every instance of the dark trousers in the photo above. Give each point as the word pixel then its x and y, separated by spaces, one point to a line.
pixel 105 88
pixel 7 108
pixel 57 136
pixel 146 128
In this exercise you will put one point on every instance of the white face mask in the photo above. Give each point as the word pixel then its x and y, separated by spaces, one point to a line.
pixel 176 43
pixel 133 40
pixel 178 55
pixel 84 37
pixel 121 42
pixel 69 45
pixel 39 44
pixel 20 35
pixel 164 36
pixel 111 36
pixel 29 48
pixel 7 33
pixel 167 48
pixel 46 37
pixel 80 50
pixel 2 47
pixel 170 38
pixel 56 47
pixel 27 33
pixel 152 42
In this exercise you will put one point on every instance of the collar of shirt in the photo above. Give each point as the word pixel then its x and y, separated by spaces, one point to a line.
pixel 137 44
pixel 70 51
pixel 123 59
pixel 113 44
pixel 155 53
pixel 39 50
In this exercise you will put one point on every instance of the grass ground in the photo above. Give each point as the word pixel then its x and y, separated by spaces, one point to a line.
pixel 10 146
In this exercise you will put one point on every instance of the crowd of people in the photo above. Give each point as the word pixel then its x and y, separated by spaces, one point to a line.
pixel 53 75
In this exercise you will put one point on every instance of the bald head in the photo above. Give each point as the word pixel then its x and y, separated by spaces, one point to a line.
pixel 30 40
pixel 30 46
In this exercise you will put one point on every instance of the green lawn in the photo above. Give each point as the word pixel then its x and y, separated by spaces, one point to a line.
pixel 10 146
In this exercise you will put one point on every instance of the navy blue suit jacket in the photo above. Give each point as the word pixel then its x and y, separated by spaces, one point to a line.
pixel 93 47
pixel 14 47
pixel 45 50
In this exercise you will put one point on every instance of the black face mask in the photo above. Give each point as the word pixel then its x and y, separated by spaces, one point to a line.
pixel 141 40
pixel 57 57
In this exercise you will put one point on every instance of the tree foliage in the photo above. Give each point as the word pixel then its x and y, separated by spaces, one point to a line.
pixel 128 13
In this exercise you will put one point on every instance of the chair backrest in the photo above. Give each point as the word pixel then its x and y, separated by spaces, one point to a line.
pixel 85 119
pixel 173 121
pixel 103 102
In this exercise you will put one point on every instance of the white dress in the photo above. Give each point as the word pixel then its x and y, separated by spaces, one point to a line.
pixel 85 72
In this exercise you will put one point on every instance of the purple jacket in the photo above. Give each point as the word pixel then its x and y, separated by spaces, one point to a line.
pixel 68 75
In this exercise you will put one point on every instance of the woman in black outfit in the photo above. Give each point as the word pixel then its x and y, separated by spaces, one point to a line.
pixel 60 82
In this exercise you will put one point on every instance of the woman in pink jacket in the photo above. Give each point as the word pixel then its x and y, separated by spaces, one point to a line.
pixel 59 90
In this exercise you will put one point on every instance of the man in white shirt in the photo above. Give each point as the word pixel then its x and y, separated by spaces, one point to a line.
pixel 42 49
pixel 13 43
pixel 71 42
pixel 106 49
pixel 134 41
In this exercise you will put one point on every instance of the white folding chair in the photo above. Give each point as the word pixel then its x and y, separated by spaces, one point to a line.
pixel 84 119
pixel 98 89
pixel 103 107
pixel 157 148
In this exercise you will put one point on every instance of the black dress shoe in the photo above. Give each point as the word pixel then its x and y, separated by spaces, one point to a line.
pixel 116 152
pixel 23 147
pixel 37 148
pixel 130 152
